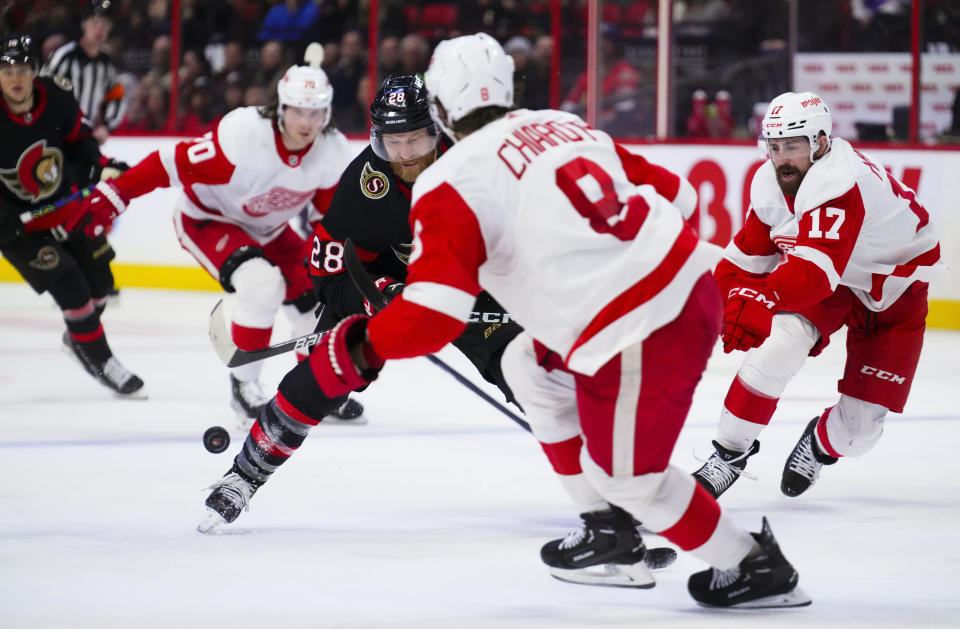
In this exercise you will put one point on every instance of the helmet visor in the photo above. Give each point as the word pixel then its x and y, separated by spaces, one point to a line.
pixel 788 148
pixel 406 146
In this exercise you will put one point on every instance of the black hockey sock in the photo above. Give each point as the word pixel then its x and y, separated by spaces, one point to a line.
pixel 83 325
pixel 274 437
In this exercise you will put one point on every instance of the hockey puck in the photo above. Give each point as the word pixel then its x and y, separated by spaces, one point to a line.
pixel 216 439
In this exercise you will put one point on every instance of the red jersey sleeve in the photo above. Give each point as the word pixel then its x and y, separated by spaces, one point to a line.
pixel 442 279
pixel 202 160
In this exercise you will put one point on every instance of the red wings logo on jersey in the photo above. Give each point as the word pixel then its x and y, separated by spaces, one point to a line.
pixel 37 174
pixel 276 200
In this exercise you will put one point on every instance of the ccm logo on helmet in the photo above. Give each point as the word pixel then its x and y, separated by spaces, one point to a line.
pixel 883 375
pixel 752 295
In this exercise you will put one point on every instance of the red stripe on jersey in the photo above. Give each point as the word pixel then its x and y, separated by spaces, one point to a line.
pixel 640 171
pixel 75 133
pixel 564 456
pixel 822 435
pixel 322 198
pixel 697 523
pixel 291 411
pixel 749 405
pixel 641 292
pixel 928 258
pixel 268 445
pixel 753 239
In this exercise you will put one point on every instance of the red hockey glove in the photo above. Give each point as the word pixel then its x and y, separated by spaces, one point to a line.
pixel 343 359
pixel 747 316
pixel 96 212
pixel 390 289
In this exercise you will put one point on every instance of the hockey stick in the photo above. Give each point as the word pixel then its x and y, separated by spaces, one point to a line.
pixel 233 356
pixel 363 282
pixel 48 216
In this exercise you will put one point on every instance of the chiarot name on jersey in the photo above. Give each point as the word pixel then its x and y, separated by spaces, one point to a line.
pixel 529 141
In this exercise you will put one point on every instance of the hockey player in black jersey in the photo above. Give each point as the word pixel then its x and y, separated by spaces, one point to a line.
pixel 371 206
pixel 46 151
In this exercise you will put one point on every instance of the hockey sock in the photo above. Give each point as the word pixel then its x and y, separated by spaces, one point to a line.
pixel 273 439
pixel 746 412
pixel 565 459
pixel 248 338
pixel 83 325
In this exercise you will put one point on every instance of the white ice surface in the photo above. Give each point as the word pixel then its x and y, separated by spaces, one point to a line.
pixel 432 515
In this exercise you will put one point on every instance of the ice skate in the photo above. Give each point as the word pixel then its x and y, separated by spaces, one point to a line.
pixel 608 550
pixel 231 495
pixel 723 468
pixel 110 372
pixel 765 579
pixel 247 399
pixel 803 465
pixel 350 413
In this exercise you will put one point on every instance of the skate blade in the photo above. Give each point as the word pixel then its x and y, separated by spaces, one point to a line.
pixel 794 598
pixel 210 520
pixel 609 575
pixel 659 558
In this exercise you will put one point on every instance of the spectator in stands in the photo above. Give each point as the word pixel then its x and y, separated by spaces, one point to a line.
pixel 233 92
pixel 537 81
pixel 149 109
pixel 414 54
pixel 273 63
pixel 389 57
pixel 234 64
pixel 619 83
pixel 347 110
pixel 159 72
pixel 289 21
pixel 520 48
pixel 256 96
pixel 331 57
pixel 199 116
pixel 52 42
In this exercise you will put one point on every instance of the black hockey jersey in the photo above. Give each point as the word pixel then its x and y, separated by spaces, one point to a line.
pixel 46 150
pixel 371 206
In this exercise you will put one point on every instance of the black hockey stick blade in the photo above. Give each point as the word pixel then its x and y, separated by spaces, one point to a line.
pixel 363 282
pixel 360 278
pixel 233 356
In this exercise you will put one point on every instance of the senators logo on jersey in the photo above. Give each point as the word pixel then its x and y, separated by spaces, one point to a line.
pixel 373 183
pixel 37 174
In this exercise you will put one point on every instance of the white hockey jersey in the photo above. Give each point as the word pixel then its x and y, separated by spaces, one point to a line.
pixel 853 220
pixel 538 210
pixel 242 174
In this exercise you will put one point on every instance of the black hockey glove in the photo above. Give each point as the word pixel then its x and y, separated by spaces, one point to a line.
pixel 108 169
pixel 11 229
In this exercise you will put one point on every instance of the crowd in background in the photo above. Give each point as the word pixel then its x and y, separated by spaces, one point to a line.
pixel 233 51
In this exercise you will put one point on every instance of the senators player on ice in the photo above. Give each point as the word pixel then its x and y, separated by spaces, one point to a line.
pixel 831 240
pixel 46 152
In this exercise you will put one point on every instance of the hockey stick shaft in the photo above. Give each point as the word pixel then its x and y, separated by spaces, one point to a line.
pixel 233 356
pixel 363 282
pixel 49 215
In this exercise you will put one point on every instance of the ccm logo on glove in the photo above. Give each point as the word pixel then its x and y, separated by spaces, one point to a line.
pixel 752 295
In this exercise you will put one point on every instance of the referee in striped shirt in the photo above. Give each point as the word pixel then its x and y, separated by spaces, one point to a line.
pixel 91 71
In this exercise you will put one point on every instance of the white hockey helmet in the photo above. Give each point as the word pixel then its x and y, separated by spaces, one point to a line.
pixel 797 114
pixel 467 73
pixel 306 87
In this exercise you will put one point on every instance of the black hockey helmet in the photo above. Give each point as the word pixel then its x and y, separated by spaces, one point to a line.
pixel 97 7
pixel 401 106
pixel 18 49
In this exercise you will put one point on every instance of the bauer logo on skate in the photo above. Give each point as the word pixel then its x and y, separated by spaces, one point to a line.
pixel 883 375
pixel 276 200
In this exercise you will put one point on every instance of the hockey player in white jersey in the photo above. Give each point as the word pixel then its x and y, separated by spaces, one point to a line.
pixel 830 240
pixel 242 184
pixel 609 283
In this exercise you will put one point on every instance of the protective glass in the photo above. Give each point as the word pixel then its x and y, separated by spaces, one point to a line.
pixel 404 147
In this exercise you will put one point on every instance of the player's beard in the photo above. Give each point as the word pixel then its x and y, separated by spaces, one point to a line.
pixel 409 174
pixel 791 187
